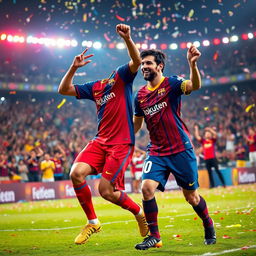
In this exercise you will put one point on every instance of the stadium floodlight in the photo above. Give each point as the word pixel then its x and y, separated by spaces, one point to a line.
pixel 163 46
pixel 73 43
pixel 138 45
pixel 206 43
pixel 3 37
pixel 21 39
pixel 144 46
pixel 60 42
pixel 216 41
pixel 16 39
pixel 9 38
pixel 111 46
pixel 196 44
pixel 152 46
pixel 97 45
pixel 87 43
pixel 173 46
pixel 225 40
pixel 234 38
pixel 250 35
pixel 120 46
pixel 2 98
pixel 189 44
pixel 183 45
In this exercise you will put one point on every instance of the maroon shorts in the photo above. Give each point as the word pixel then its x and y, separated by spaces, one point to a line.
pixel 110 160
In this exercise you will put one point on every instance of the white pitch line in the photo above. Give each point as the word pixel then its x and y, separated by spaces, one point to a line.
pixel 226 251
pixel 107 223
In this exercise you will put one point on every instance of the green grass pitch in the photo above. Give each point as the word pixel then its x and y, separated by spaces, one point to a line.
pixel 49 227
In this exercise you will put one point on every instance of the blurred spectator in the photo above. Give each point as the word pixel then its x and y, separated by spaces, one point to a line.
pixel 240 152
pixel 208 143
pixel 251 140
pixel 47 167
pixel 136 168
pixel 33 164
pixel 59 159
pixel 23 170
pixel 4 174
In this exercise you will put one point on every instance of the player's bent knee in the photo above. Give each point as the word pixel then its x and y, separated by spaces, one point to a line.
pixel 192 199
pixel 148 192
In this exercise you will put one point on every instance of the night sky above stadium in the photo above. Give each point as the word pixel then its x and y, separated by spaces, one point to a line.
pixel 150 20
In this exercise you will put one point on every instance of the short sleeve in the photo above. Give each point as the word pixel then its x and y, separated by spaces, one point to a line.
pixel 178 84
pixel 85 91
pixel 137 109
pixel 125 73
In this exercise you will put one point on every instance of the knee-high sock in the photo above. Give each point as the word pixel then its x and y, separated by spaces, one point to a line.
pixel 84 196
pixel 151 212
pixel 202 211
pixel 127 203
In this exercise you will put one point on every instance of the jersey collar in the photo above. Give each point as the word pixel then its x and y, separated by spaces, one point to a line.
pixel 153 89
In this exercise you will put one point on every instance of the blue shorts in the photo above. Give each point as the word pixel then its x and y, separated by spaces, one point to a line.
pixel 182 165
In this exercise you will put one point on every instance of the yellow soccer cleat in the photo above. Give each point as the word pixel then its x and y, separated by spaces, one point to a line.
pixel 142 223
pixel 87 231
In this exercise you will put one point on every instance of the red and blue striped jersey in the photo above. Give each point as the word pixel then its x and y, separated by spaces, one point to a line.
pixel 161 111
pixel 113 99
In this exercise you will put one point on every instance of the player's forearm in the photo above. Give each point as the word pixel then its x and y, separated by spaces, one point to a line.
pixel 66 82
pixel 133 51
pixel 195 76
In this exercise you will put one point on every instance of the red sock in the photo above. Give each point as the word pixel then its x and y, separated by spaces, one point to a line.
pixel 126 203
pixel 84 196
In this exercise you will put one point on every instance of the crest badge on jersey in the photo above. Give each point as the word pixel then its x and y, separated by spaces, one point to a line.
pixel 161 92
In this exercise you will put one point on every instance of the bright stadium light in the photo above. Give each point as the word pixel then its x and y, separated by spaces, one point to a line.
pixel 9 38
pixel 60 42
pixel 173 46
pixel 152 46
pixel 120 46
pixel 144 46
pixel 3 37
pixel 189 44
pixel 196 44
pixel 206 43
pixel 138 45
pixel 73 43
pixel 87 43
pixel 225 40
pixel 250 35
pixel 97 45
pixel 163 46
pixel 234 38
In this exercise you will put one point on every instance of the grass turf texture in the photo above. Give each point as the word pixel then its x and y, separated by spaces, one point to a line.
pixel 182 233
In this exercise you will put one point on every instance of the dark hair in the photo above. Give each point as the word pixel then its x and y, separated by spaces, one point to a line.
pixel 160 57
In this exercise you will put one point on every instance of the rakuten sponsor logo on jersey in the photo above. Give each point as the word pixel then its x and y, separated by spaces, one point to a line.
pixel 155 109
pixel 105 99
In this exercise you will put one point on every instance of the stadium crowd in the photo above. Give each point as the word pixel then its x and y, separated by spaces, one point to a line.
pixel 40 130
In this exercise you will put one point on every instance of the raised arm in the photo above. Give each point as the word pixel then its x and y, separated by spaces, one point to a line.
pixel 66 86
pixel 125 32
pixel 137 122
pixel 193 54
pixel 197 135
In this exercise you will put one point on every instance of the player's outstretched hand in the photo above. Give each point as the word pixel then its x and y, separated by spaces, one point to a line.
pixel 123 30
pixel 81 60
pixel 193 54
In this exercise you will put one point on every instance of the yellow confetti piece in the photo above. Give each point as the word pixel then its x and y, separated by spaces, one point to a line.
pixel 191 13
pixel 62 103
pixel 206 108
pixel 234 226
pixel 85 17
pixel 248 108
pixel 134 3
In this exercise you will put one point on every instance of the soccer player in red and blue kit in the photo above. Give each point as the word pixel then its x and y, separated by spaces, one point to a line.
pixel 170 149
pixel 111 150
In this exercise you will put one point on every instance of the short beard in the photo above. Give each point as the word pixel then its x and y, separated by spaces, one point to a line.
pixel 151 76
